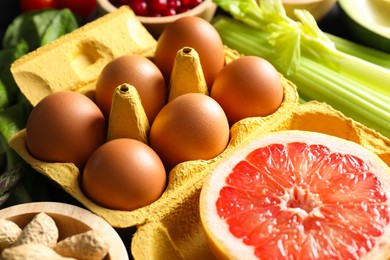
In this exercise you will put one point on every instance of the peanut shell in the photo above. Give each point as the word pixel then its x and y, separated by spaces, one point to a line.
pixel 31 252
pixel 90 245
pixel 9 233
pixel 40 230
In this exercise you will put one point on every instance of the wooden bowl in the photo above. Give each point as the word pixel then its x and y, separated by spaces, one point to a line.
pixel 70 220
pixel 155 25
pixel 318 8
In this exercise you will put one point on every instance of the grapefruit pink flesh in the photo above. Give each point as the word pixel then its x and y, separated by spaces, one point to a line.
pixel 299 201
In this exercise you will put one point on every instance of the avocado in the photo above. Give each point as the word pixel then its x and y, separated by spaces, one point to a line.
pixel 368 21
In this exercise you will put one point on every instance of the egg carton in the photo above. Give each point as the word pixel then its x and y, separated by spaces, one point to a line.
pixel 170 228
pixel 74 61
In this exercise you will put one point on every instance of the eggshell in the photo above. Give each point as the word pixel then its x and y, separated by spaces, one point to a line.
pixel 247 87
pixel 196 33
pixel 135 70
pixel 124 174
pixel 190 127
pixel 65 126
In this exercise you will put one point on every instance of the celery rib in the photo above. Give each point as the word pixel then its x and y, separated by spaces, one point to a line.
pixel 342 99
pixel 374 56
pixel 355 88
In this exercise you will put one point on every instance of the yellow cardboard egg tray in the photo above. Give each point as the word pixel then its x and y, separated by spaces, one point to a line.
pixel 170 227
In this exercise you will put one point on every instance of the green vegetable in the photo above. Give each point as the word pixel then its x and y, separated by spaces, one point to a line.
pixel 27 32
pixel 375 56
pixel 306 56
pixel 4 98
pixel 7 57
pixel 39 28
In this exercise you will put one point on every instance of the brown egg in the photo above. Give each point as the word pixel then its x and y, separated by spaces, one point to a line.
pixel 190 127
pixel 65 127
pixel 192 32
pixel 247 87
pixel 124 174
pixel 135 70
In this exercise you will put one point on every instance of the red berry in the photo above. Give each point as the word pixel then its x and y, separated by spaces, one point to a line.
pixel 185 2
pixel 139 7
pixel 32 5
pixel 184 9
pixel 169 12
pixel 194 3
pixel 174 4
pixel 158 6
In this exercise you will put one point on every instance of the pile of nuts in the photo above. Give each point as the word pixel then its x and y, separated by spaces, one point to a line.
pixel 39 240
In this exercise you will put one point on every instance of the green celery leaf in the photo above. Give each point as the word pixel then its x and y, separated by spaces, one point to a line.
pixel 315 43
pixel 284 34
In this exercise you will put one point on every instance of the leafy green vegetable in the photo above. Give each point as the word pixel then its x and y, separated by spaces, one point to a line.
pixel 14 118
pixel 64 22
pixel 27 32
pixel 4 99
pixel 39 28
pixel 7 57
pixel 29 27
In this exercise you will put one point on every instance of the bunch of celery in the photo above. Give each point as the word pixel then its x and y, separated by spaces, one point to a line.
pixel 356 83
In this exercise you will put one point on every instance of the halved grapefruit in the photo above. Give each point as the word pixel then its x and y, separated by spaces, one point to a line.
pixel 298 195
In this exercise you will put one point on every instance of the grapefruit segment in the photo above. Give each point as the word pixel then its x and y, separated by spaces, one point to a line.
pixel 297 195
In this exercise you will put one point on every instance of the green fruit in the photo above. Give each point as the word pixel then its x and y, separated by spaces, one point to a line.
pixel 368 21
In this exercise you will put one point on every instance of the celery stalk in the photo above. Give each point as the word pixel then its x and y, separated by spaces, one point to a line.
pixel 374 56
pixel 318 46
pixel 315 80
pixel 356 103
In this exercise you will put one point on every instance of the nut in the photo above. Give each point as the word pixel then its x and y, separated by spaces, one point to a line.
pixel 89 245
pixel 32 252
pixel 9 233
pixel 40 230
